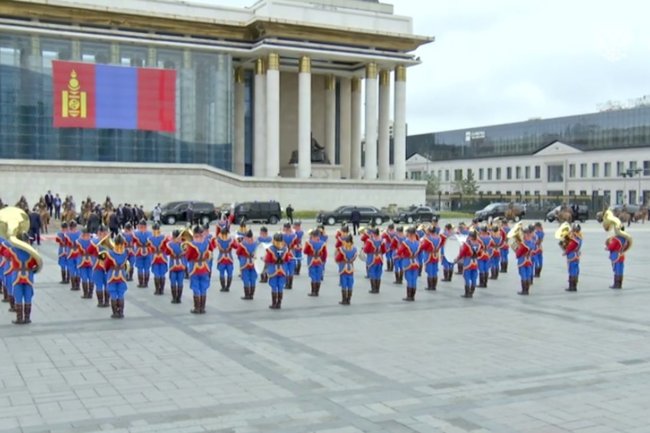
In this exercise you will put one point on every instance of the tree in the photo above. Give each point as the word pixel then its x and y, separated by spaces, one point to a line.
pixel 467 186
pixel 433 184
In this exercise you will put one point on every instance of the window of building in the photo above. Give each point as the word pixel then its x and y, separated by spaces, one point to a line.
pixel 632 196
pixel 538 172
pixel 498 173
pixel 633 165
pixel 583 192
pixel 416 175
pixel 595 170
pixel 572 192
pixel 508 193
pixel 572 170
pixel 583 170
pixel 526 193
pixel 607 194
pixel 555 173
pixel 446 175
pixel 508 173
pixel 458 174
pixel 527 172
pixel 607 169
pixel 439 174
pixel 646 168
pixel 480 174
pixel 489 173
pixel 619 197
pixel 518 172
pixel 620 168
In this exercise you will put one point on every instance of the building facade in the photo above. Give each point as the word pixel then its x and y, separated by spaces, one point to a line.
pixel 250 86
pixel 594 155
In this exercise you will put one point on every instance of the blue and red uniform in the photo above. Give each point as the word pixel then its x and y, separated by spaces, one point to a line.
pixel 276 260
pixel 375 248
pixel 495 259
pixel 198 254
pixel 538 254
pixel 116 264
pixel 22 266
pixel 246 254
pixel 72 260
pixel 408 252
pixel 63 254
pixel 142 255
pixel 484 257
pixel 505 248
pixel 345 258
pixel 469 253
pixel 225 264
pixel 173 249
pixel 430 246
pixel 99 275
pixel 617 245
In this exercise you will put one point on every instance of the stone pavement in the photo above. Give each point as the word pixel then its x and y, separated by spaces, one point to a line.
pixel 549 363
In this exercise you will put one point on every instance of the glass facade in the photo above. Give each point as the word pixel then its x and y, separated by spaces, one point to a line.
pixel 204 94
pixel 618 129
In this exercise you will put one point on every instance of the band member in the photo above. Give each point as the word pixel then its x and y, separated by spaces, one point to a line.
pixel 64 251
pixel 572 253
pixel 346 254
pixel 617 245
pixel 241 232
pixel 421 233
pixel 485 255
pixel 8 273
pixel 297 247
pixel 173 249
pixel 4 266
pixel 223 223
pixel 505 248
pixel 277 257
pixel 316 252
pixel 142 254
pixel 117 264
pixel 469 253
pixel 212 241
pixel 375 249
pixel 495 259
pixel 341 233
pixel 447 266
pixel 387 237
pixel 225 246
pixel 99 275
pixel 398 264
pixel 408 252
pixel 86 264
pixel 323 235
pixel 290 240
pixel 463 231
pixel 430 246
pixel 159 265
pixel 523 251
pixel 246 253
pixel 538 255
pixel 72 237
pixel 198 253
pixel 127 236
pixel 264 238
pixel 22 266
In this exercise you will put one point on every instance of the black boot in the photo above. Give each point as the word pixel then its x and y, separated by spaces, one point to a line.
pixel 202 301
pixel 27 312
pixel 19 315
pixel 288 286
pixel 120 308
pixel 279 303
pixel 115 314
pixel 12 304
pixel 222 280
pixel 467 292
pixel 179 294
pixel 245 297
pixel 63 278
pixel 434 283
pixel 298 267
pixel 91 290
pixel 174 294
pixel 344 297
pixel 313 289
pixel 318 288
pixel 524 288
pixel 618 282
pixel 377 285
pixel 100 299
pixel 197 305
pixel 274 301
pixel 140 280
pixel 228 283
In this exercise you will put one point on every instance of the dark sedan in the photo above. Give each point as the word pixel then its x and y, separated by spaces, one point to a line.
pixel 416 214
pixel 341 214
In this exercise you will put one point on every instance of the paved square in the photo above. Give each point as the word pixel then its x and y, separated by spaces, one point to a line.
pixel 552 362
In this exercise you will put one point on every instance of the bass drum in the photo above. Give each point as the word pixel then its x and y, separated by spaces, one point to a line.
pixel 452 247
pixel 260 254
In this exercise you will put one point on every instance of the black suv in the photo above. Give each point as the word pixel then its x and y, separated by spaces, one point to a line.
pixel 341 214
pixel 416 214
pixel 265 211
pixel 176 211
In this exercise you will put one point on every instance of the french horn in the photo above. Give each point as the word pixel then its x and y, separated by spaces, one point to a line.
pixel 14 222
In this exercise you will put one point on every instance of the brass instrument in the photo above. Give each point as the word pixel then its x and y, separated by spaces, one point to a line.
pixel 611 222
pixel 14 223
pixel 516 235
pixel 108 244
pixel 562 234
pixel 185 237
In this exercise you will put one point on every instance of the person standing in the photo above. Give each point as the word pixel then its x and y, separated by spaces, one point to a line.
pixel 316 252
pixel 198 253
pixel 523 252
pixel 538 252
pixel 430 245
pixel 469 253
pixel 35 224
pixel 116 264
pixel 617 246
pixel 375 250
pixel 189 213
pixel 495 260
pixel 61 239
pixel 572 253
pixel 49 202
pixel 447 266
pixel 72 236
pixel 278 255
pixel 127 236
pixel 297 246
pixel 398 263
pixel 345 257
pixel 57 207
pixel 174 250
pixel 484 258
pixel 22 266
pixel 157 211
pixel 225 245
pixel 505 248
pixel 85 267
pixel 99 275
pixel 246 253
pixel 142 254
pixel 264 238
pixel 159 266
pixel 289 212
pixel 408 252
pixel 355 219
pixel 290 241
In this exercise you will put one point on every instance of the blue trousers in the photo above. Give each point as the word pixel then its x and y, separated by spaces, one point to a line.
pixel 470 276
pixel 9 284
pixel 72 267
pixel 346 281
pixel 483 266
pixel 143 264
pixel 200 284
pixel 494 262
pixel 159 269
pixel 411 276
pixel 290 268
pixel 176 278
pixel 504 255
pixel 525 273
pixel 446 264
pixel 23 293
pixel 225 270
pixel 316 273
pixel 117 290
pixel 249 277
pixel 86 274
pixel 277 284
pixel 375 271
pixel 432 269
pixel 618 268
pixel 574 268
pixel 99 279
pixel 538 260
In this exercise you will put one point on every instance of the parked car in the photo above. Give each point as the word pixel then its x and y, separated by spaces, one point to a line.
pixel 176 211
pixel 617 209
pixel 262 211
pixel 416 214
pixel 583 213
pixel 513 211
pixel 342 214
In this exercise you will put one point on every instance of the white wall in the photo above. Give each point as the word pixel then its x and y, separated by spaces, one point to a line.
pixel 148 184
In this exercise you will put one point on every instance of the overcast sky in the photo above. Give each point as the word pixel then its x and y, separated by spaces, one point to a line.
pixel 500 61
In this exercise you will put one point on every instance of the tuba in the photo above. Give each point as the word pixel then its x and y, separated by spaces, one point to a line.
pixel 611 222
pixel 516 235
pixel 14 223
pixel 185 237
pixel 562 234
pixel 108 244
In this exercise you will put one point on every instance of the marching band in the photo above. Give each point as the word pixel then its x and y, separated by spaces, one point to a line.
pixel 104 265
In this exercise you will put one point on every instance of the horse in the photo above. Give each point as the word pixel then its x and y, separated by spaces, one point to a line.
pixel 45 220
pixel 641 214
pixel 564 215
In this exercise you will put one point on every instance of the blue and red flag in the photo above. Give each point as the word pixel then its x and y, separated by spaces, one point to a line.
pixel 88 95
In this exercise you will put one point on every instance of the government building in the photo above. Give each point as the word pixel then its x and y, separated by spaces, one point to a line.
pixel 278 95
pixel 604 154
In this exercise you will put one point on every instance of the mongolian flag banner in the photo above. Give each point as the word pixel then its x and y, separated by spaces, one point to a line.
pixel 88 95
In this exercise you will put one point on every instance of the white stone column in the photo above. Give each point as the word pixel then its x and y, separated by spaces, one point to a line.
pixel 330 118
pixel 239 149
pixel 399 124
pixel 370 166
pixel 355 156
pixel 345 123
pixel 273 116
pixel 304 117
pixel 384 124
pixel 259 142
